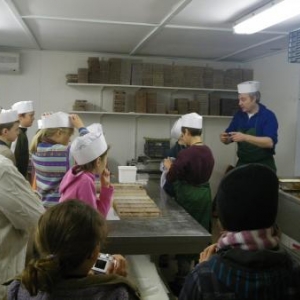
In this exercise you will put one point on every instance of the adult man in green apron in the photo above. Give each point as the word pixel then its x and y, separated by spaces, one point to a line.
pixel 254 128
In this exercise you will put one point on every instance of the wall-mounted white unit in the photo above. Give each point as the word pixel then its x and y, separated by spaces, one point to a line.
pixel 9 62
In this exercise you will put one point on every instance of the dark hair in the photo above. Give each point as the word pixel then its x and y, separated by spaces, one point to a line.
pixel 66 235
pixel 88 167
pixel 7 126
pixel 193 131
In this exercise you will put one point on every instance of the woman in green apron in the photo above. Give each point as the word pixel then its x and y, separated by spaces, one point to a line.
pixel 254 128
pixel 191 171
pixel 190 174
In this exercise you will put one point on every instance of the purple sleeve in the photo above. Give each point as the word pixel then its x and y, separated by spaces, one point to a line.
pixel 105 199
pixel 177 169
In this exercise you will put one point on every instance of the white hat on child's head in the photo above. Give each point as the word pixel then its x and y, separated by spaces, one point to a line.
pixel 87 148
pixel 192 120
pixel 248 87
pixel 23 107
pixel 56 120
pixel 8 116
pixel 176 129
pixel 39 123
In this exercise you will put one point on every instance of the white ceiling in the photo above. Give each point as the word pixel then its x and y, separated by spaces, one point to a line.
pixel 200 29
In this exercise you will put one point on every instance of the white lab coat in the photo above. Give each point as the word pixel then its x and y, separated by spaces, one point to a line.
pixel 20 210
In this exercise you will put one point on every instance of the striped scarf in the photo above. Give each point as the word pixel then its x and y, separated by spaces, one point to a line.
pixel 266 238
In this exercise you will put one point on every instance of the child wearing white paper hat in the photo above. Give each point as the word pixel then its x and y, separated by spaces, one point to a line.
pixel 172 153
pixel 20 147
pixel 254 128
pixel 90 154
pixel 50 151
pixel 176 134
pixel 9 131
pixel 190 172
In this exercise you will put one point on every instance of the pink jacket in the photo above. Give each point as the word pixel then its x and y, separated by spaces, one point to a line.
pixel 82 186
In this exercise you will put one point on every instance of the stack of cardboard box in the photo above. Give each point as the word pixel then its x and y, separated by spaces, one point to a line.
pixel 94 70
pixel 119 101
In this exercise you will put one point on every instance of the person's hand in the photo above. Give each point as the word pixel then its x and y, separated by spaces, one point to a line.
pixel 207 253
pixel 105 178
pixel 119 266
pixel 76 121
pixel 238 137
pixel 167 163
pixel 225 138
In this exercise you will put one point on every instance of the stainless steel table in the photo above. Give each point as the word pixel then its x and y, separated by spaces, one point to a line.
pixel 288 216
pixel 174 232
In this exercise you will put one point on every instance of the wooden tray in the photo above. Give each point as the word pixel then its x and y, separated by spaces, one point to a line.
pixel 292 184
pixel 132 201
pixel 133 206
pixel 128 186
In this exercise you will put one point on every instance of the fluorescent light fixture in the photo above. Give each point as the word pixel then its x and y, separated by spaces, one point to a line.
pixel 273 13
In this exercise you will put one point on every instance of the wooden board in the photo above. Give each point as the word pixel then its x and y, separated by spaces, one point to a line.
pixel 130 186
pixel 289 184
pixel 132 202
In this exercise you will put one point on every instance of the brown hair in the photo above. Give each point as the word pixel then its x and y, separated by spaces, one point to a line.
pixel 90 166
pixel 7 126
pixel 46 133
pixel 192 131
pixel 66 235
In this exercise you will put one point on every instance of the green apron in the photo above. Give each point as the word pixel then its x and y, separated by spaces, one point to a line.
pixel 196 200
pixel 248 153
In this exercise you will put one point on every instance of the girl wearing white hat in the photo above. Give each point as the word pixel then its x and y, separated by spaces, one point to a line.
pixel 90 153
pixel 50 150
pixel 9 131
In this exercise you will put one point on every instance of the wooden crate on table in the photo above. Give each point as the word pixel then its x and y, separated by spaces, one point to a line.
pixel 131 200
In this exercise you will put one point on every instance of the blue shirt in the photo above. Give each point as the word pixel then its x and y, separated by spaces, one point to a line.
pixel 264 122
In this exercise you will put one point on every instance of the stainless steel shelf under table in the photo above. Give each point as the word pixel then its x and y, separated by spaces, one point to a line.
pixel 174 232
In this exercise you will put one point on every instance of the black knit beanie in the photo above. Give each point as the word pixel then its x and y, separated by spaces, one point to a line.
pixel 247 198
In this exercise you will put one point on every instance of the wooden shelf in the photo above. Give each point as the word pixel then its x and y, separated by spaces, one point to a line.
pixel 133 114
pixel 103 85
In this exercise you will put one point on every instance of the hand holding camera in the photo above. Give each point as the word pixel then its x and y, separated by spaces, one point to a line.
pixel 110 264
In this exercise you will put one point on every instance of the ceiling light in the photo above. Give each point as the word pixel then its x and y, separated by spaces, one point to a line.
pixel 273 13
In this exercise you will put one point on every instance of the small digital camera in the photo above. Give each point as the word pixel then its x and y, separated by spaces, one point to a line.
pixel 104 261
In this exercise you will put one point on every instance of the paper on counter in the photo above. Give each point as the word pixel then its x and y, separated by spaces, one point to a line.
pixel 112 215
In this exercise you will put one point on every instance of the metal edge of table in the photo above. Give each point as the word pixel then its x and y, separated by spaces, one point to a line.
pixel 174 232
pixel 288 216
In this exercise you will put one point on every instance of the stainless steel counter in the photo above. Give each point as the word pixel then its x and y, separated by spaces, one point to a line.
pixel 174 232
pixel 288 217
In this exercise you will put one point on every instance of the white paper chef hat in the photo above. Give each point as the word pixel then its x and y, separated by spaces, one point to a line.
pixel 95 127
pixel 192 120
pixel 248 87
pixel 87 148
pixel 39 123
pixel 176 129
pixel 23 107
pixel 56 120
pixel 8 116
